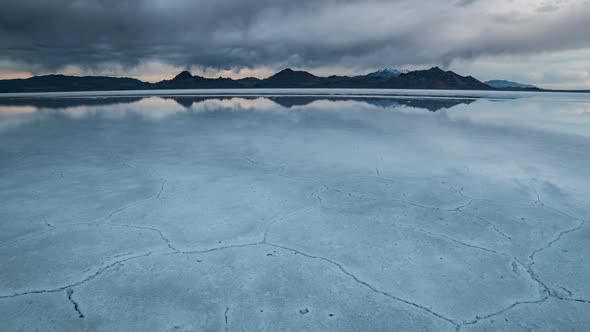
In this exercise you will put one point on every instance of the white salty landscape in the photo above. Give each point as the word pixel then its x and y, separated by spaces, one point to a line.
pixel 295 210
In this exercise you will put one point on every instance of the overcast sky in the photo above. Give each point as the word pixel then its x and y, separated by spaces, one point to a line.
pixel 540 42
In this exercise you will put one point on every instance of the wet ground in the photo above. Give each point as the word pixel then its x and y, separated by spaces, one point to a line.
pixel 296 211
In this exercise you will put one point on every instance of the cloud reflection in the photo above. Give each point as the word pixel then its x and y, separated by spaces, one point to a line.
pixel 508 141
pixel 565 114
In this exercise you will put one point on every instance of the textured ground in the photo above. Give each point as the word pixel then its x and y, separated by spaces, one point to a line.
pixel 243 215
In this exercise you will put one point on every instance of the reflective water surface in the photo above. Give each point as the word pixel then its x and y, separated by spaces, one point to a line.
pixel 295 210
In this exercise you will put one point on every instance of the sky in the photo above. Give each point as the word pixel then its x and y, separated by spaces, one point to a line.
pixel 544 42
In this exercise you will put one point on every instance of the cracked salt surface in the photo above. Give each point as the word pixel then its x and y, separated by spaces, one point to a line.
pixel 182 213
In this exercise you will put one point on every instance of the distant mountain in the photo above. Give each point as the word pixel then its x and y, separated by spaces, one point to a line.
pixel 52 83
pixel 289 78
pixel 503 84
pixel 434 78
pixel 289 74
pixel 387 73
pixel 185 75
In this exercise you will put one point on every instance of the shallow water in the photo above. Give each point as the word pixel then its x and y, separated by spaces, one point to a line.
pixel 295 210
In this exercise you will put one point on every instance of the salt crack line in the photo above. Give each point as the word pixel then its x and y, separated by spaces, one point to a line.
pixel 206 251
pixel 491 224
pixel 283 217
pixel 459 242
pixel 160 233
pixel 70 293
pixel 552 242
pixel 457 209
pixel 85 280
pixel 499 312
pixel 369 286
pixel 226 316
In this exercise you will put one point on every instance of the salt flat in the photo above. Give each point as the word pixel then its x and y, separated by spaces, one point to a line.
pixel 331 210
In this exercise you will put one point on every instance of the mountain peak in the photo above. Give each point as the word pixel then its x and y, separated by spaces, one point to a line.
pixel 436 70
pixel 387 73
pixel 289 73
pixel 185 75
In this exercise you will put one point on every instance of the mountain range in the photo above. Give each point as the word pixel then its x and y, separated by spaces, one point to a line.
pixel 433 78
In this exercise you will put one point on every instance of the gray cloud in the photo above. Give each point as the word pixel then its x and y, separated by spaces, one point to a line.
pixel 44 35
pixel 465 3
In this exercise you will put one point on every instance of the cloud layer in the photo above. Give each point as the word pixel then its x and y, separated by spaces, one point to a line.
pixel 123 35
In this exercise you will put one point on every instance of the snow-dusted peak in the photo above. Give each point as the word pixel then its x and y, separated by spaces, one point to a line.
pixel 387 72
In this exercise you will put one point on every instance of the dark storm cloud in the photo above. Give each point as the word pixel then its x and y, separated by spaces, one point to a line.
pixel 465 3
pixel 48 35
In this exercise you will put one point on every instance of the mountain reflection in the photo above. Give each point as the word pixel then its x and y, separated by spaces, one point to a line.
pixel 63 103
pixel 188 102
pixel 432 105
